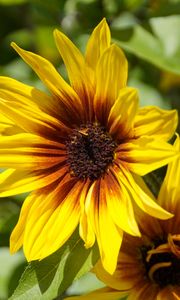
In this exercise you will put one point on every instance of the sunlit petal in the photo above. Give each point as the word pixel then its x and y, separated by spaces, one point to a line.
pixel 13 182
pixel 111 76
pixel 61 217
pixel 31 119
pixel 98 42
pixel 120 205
pixel 25 150
pixel 145 154
pixel 142 199
pixel 170 189
pixel 106 231
pixel 85 229
pixel 80 75
pixel 122 114
pixel 156 122
pixel 66 96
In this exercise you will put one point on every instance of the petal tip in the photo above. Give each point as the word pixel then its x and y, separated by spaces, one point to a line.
pixel 14 45
pixel 17 48
pixel 118 51
pixel 12 250
pixel 166 215
pixel 133 91
pixel 13 247
pixel 56 32
pixel 104 21
pixel 59 35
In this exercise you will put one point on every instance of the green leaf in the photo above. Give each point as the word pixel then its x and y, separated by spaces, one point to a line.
pixel 8 264
pixel 124 20
pixel 167 31
pixel 87 283
pixel 161 48
pixel 9 212
pixel 15 274
pixel 12 2
pixel 50 277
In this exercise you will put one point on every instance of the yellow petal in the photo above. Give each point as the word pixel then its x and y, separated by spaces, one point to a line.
pixel 107 233
pixel 85 229
pixel 32 120
pixel 25 150
pixel 111 76
pixel 16 239
pixel 98 42
pixel 12 89
pixel 142 199
pixel 156 122
pixel 122 113
pixel 120 206
pixel 18 160
pixel 147 224
pixel 66 96
pixel 36 202
pixel 145 154
pixel 170 190
pixel 31 98
pixel 33 204
pixel 13 182
pixel 7 127
pixel 126 275
pixel 80 75
pixel 6 121
pixel 101 294
pixel 25 139
pixel 47 230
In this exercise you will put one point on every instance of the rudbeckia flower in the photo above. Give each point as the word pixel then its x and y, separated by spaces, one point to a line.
pixel 79 150
pixel 148 267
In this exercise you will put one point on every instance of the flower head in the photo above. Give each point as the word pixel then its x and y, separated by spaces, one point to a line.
pixel 149 267
pixel 80 149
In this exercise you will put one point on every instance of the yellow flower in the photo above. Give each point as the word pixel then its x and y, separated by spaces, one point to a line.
pixel 148 267
pixel 80 149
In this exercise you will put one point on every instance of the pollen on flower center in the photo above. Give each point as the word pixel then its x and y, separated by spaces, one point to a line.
pixel 161 264
pixel 90 151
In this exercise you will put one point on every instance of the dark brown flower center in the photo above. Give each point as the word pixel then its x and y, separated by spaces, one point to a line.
pixel 90 151
pixel 162 262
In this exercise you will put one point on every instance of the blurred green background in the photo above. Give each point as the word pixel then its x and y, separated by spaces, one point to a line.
pixel 148 31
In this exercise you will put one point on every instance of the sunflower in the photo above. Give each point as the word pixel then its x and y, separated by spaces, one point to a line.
pixel 148 267
pixel 80 149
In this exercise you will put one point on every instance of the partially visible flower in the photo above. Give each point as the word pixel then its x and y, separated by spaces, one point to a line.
pixel 80 149
pixel 149 267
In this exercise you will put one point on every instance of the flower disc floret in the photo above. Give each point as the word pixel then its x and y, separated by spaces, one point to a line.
pixel 90 151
